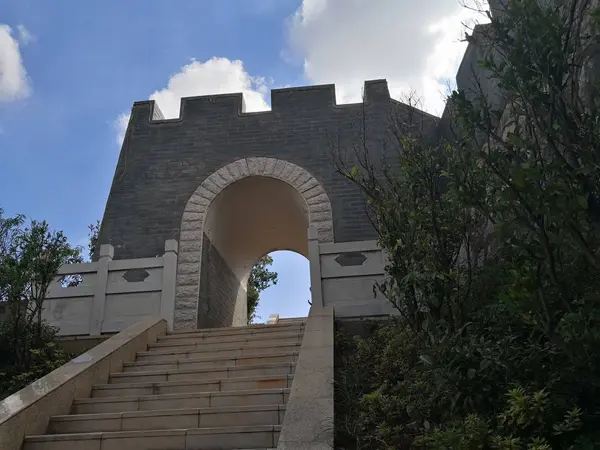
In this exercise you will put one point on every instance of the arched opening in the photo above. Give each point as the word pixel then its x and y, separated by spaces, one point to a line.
pixel 247 220
pixel 290 296
pixel 243 211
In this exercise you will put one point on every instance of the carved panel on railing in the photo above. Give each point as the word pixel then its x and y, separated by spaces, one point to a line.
pixel 108 296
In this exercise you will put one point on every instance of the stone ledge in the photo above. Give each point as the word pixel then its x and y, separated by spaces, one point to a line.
pixel 28 411
pixel 308 422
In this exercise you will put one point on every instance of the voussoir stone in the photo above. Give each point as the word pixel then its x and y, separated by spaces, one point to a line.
pixel 189 216
pixel 253 167
pixel 317 199
pixel 188 268
pixel 190 246
pixel 287 172
pixel 319 207
pixel 195 207
pixel 243 167
pixel 269 166
pixel 313 192
pixel 193 235
pixel 308 184
pixel 279 166
pixel 192 225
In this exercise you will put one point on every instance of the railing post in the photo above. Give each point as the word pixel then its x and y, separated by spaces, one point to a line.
pixel 107 252
pixel 314 259
pixel 169 279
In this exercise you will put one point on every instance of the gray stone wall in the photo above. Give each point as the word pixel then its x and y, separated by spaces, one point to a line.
pixel 162 162
pixel 219 291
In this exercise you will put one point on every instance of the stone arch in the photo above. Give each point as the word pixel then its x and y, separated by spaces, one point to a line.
pixel 194 219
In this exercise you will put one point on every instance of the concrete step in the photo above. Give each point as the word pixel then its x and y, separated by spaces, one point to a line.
pixel 284 321
pixel 211 362
pixel 195 345
pixel 189 386
pixel 224 438
pixel 193 338
pixel 202 374
pixel 125 403
pixel 235 350
pixel 169 419
pixel 252 329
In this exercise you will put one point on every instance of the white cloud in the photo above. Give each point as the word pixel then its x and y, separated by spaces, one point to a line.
pixel 414 45
pixel 14 83
pixel 121 127
pixel 25 36
pixel 214 76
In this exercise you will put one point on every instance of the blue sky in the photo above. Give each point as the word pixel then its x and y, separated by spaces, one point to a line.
pixel 70 70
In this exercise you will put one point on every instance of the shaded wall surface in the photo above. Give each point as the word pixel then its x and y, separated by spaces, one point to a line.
pixel 220 292
pixel 162 161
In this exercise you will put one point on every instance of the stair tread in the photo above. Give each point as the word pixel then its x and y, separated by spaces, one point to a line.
pixel 150 433
pixel 208 359
pixel 158 351
pixel 210 369
pixel 169 412
pixel 140 384
pixel 128 398
pixel 229 337
pixel 255 329
pixel 245 327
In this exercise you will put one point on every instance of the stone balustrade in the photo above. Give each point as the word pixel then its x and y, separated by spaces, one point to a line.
pixel 112 295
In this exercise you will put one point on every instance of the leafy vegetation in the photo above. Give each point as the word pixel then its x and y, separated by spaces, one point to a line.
pixel 30 256
pixel 260 279
pixel 493 239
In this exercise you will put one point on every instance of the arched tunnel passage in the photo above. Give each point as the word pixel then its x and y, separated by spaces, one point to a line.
pixel 244 210
pixel 248 219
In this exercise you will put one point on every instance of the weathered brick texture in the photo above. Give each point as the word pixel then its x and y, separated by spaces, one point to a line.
pixel 219 292
pixel 163 162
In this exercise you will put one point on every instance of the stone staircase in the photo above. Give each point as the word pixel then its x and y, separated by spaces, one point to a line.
pixel 223 388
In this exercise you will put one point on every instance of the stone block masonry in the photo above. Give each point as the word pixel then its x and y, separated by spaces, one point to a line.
pixel 163 162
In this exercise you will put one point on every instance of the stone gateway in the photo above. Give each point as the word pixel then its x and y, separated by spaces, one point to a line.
pixel 232 186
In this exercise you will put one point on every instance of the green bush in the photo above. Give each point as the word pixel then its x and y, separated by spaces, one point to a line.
pixel 30 257
pixel 493 238
pixel 43 356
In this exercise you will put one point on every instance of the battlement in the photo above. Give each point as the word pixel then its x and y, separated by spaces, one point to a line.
pixel 286 100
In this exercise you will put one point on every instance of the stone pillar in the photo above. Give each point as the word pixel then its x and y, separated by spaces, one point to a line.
pixel 107 253
pixel 314 259
pixel 169 281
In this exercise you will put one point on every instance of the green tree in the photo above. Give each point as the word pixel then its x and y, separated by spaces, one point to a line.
pixel 260 279
pixel 493 237
pixel 30 257
pixel 93 230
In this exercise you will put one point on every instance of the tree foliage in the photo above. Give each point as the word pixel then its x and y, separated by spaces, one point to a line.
pixel 494 245
pixel 260 279
pixel 30 256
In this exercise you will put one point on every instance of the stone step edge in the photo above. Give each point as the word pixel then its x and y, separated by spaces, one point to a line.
pixel 142 384
pixel 152 433
pixel 129 398
pixel 219 358
pixel 251 328
pixel 199 343
pixel 168 412
pixel 242 337
pixel 206 370
pixel 158 350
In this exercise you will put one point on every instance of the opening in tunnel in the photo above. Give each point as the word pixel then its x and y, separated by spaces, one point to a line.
pixel 248 219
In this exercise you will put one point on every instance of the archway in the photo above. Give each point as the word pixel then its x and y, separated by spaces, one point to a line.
pixel 241 212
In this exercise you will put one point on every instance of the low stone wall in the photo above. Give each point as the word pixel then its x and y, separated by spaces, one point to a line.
pixel 28 411
pixel 113 295
pixel 343 276
pixel 308 422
